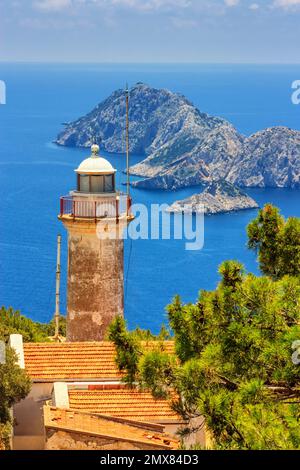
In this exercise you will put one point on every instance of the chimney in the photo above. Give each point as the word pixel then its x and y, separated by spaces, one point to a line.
pixel 16 343
pixel 60 395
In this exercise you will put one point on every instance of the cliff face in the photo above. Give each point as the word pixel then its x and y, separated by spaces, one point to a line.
pixel 184 147
pixel 218 197
pixel 156 118
pixel 271 158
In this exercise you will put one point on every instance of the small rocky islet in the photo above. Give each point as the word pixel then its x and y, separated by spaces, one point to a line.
pixel 218 197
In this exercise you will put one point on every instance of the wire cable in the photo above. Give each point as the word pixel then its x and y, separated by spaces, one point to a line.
pixel 128 268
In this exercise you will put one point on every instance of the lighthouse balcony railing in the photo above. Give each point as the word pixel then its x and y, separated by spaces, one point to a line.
pixel 98 208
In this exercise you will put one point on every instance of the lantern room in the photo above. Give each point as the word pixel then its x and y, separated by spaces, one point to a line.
pixel 95 175
pixel 96 196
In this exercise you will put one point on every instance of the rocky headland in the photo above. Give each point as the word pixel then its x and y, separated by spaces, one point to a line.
pixel 184 147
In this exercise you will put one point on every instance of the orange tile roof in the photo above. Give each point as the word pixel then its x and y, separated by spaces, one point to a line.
pixel 78 361
pixel 124 403
pixel 99 426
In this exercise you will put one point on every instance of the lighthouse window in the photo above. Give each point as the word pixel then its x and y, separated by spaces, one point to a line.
pixel 84 184
pixel 97 184
pixel 109 186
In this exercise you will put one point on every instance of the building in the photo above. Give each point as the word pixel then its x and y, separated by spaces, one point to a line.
pixel 95 216
pixel 73 430
pixel 81 380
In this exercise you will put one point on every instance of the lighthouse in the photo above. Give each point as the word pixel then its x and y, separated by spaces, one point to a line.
pixel 95 216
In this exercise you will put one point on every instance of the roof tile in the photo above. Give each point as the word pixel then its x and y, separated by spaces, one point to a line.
pixel 123 403
pixel 81 361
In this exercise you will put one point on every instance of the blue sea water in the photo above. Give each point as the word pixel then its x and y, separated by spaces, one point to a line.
pixel 34 173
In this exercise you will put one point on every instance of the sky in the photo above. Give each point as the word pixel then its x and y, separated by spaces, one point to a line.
pixel 207 31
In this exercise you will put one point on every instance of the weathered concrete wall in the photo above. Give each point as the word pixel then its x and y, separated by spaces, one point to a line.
pixel 95 284
pixel 29 443
pixel 198 437
pixel 29 431
pixel 63 440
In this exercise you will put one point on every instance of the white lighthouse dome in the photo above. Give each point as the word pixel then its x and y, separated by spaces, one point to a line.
pixel 95 165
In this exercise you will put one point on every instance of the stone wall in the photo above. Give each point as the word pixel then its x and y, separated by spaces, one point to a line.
pixel 67 440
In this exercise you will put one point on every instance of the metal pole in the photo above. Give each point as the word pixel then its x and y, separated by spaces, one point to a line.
pixel 57 297
pixel 127 140
pixel 117 209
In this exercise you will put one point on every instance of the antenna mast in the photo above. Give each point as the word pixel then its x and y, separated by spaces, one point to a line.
pixel 127 140
pixel 57 297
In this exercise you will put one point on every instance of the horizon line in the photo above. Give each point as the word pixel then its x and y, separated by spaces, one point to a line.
pixel 60 62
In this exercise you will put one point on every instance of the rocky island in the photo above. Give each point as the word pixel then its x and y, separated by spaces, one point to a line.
pixel 184 147
pixel 218 197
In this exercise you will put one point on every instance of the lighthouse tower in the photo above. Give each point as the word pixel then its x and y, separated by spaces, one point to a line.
pixel 95 216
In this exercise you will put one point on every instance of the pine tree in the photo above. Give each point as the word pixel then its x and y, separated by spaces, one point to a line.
pixel 233 348
pixel 12 322
pixel 277 242
pixel 14 386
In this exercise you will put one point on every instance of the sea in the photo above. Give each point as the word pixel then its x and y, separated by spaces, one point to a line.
pixel 34 173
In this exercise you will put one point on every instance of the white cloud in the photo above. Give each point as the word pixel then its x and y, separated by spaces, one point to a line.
pixel 148 4
pixel 52 5
pixel 48 23
pixel 192 6
pixel 142 5
pixel 286 3
pixel 231 3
